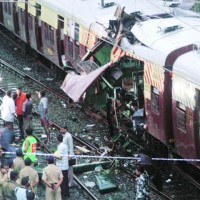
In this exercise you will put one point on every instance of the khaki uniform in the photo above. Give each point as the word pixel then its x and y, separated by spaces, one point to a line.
pixel 3 179
pixel 18 164
pixel 52 174
pixel 31 173
pixel 9 170
pixel 8 190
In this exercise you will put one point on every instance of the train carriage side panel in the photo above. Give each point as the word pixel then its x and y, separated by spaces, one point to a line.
pixel 185 90
pixel 33 25
pixel 10 17
pixel 1 13
pixel 23 24
pixel 50 33
pixel 156 101
pixel 77 40
pixel 184 117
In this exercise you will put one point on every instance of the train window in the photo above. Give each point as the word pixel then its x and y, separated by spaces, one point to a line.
pixel 38 10
pixel 51 35
pixel 181 117
pixel 60 22
pixel 46 31
pixel 30 22
pixel 70 47
pixel 155 100
pixel 76 50
pixel 22 16
pixel 9 8
pixel 76 34
pixel 6 7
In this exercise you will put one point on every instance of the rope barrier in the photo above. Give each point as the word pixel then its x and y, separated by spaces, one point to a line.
pixel 110 157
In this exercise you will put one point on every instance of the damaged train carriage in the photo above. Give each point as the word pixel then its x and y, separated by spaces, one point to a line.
pixel 114 88
pixel 109 79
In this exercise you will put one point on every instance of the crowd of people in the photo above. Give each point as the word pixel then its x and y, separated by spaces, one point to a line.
pixel 18 177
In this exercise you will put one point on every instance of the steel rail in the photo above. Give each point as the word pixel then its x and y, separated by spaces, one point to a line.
pixel 92 196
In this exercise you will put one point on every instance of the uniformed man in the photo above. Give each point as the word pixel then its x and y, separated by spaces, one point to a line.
pixel 9 167
pixel 9 186
pixel 52 177
pixel 29 171
pixel 18 162
pixel 3 179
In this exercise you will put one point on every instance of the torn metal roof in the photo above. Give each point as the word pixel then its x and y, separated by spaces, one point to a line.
pixel 75 85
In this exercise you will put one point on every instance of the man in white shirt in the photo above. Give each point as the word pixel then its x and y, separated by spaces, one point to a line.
pixel 61 156
pixel 8 108
pixel 68 140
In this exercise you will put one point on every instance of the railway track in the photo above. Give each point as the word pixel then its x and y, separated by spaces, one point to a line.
pixel 9 73
pixel 97 136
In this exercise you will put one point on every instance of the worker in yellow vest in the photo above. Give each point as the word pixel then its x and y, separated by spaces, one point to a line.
pixel 29 146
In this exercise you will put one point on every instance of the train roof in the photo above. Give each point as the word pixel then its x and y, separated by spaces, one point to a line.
pixel 187 66
pixel 90 11
pixel 168 34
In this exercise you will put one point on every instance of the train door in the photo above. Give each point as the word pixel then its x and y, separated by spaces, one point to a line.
pixel 23 24
pixel 1 12
pixel 38 34
pixel 15 18
pixel 8 13
pixel 60 41
pixel 76 44
pixel 198 124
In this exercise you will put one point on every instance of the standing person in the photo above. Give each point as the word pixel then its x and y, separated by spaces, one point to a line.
pixel 3 179
pixel 8 108
pixel 31 173
pixel 52 177
pixel 61 156
pixel 21 98
pixel 142 183
pixel 27 111
pixel 68 140
pixel 18 162
pixel 9 166
pixel 7 138
pixel 8 188
pixel 22 190
pixel 29 146
pixel 43 111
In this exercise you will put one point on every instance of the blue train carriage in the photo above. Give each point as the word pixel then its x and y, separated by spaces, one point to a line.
pixel 186 104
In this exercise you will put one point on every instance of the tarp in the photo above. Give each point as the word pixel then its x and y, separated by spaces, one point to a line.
pixel 75 85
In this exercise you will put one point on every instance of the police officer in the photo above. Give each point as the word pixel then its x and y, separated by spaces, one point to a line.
pixel 52 177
